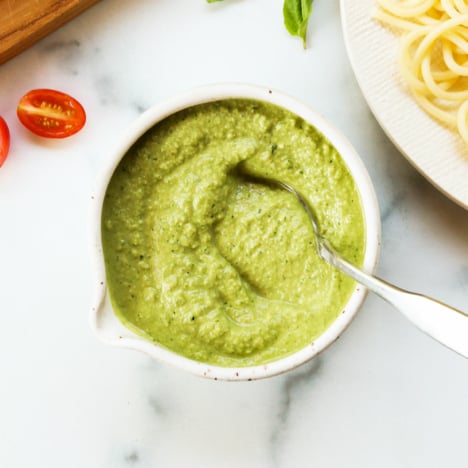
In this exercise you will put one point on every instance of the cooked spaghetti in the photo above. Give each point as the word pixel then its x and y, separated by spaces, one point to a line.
pixel 433 55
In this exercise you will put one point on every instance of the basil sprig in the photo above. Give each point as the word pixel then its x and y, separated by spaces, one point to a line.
pixel 296 15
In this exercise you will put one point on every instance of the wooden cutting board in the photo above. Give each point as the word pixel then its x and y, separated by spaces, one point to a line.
pixel 24 22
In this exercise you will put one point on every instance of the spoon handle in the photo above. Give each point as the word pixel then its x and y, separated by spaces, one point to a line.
pixel 446 324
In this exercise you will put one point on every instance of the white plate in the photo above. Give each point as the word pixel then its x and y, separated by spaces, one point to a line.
pixel 435 151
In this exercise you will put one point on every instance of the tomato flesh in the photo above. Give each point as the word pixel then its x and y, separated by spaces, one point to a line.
pixel 4 141
pixel 51 114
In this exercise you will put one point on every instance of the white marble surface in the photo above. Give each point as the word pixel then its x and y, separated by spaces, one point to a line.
pixel 383 396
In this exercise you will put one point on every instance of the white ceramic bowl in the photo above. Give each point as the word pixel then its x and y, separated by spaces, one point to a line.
pixel 103 320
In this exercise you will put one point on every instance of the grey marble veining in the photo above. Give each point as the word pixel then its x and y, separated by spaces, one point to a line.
pixel 289 392
pixel 383 395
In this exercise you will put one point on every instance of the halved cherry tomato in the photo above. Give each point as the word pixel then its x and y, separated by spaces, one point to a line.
pixel 52 114
pixel 4 141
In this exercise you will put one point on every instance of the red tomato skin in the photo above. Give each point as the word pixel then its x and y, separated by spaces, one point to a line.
pixel 51 114
pixel 4 141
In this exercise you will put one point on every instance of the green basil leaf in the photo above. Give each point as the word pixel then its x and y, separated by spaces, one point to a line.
pixel 296 15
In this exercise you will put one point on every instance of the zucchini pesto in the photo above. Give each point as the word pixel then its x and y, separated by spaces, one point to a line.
pixel 218 269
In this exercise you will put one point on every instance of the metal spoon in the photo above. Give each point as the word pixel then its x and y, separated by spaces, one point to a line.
pixel 446 324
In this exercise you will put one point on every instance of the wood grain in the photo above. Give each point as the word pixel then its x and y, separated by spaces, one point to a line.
pixel 24 22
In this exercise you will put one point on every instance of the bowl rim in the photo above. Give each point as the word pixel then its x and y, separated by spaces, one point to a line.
pixel 109 328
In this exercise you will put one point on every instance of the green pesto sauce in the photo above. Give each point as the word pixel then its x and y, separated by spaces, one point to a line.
pixel 218 269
